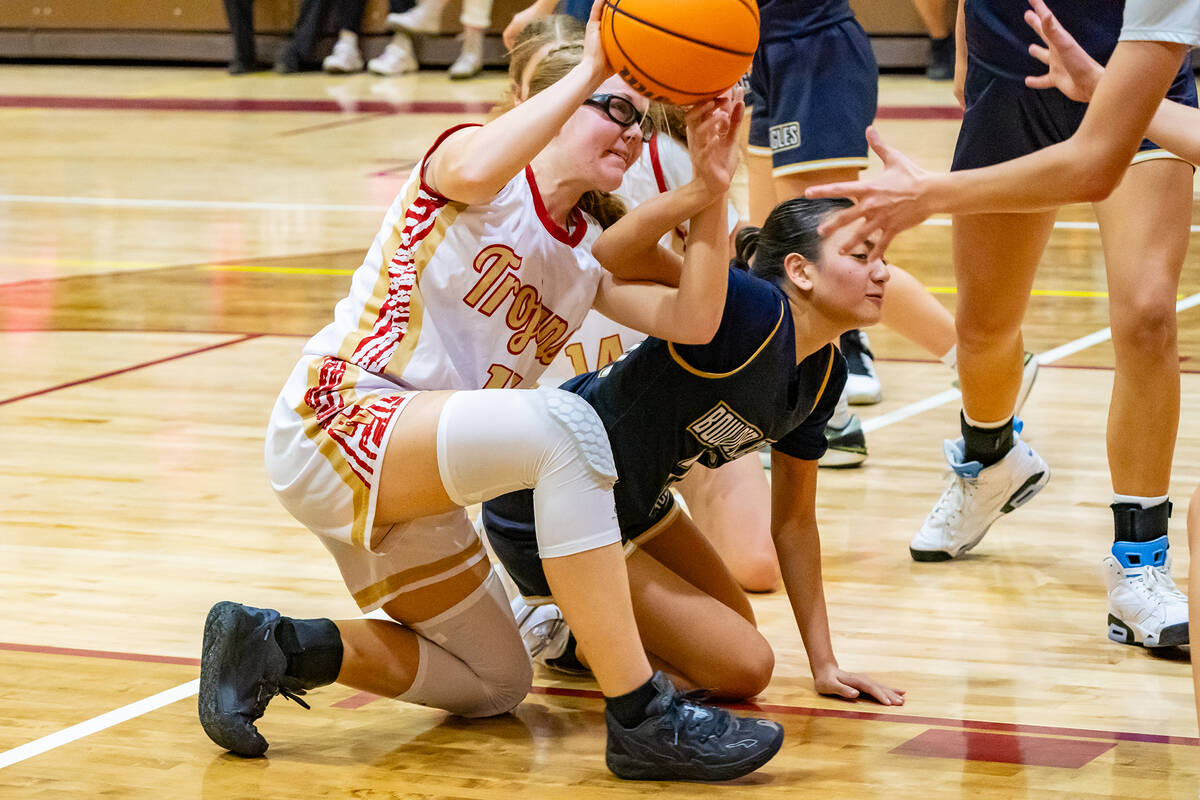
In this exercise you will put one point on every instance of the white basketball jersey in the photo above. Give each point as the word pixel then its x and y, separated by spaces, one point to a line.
pixel 457 296
pixel 664 165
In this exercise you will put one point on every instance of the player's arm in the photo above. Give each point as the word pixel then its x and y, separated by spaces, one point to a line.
pixel 1086 167
pixel 474 164
pixel 1070 70
pixel 798 544
pixel 522 18
pixel 960 55
pixel 630 249
pixel 691 312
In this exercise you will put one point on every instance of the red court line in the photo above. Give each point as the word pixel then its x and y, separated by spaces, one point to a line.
pixel 945 722
pixel 335 107
pixel 71 651
pixel 123 370
pixel 592 694
pixel 243 104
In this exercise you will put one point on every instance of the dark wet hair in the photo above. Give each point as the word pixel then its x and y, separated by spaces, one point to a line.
pixel 791 227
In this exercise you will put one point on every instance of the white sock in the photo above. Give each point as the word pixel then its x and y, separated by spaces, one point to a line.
pixel 986 425
pixel 1144 502
pixel 950 359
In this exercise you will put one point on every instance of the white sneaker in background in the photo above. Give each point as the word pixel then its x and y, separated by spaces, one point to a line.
pixel 977 497
pixel 397 58
pixel 345 56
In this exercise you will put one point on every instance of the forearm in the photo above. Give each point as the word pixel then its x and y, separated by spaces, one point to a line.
pixel 699 301
pixel 1176 127
pixel 1085 167
pixel 799 548
pixel 474 167
pixel 629 249
pixel 960 34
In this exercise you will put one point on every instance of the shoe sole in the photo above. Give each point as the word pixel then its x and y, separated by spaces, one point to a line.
pixel 632 769
pixel 1170 636
pixel 864 399
pixel 222 620
pixel 841 459
pixel 1018 498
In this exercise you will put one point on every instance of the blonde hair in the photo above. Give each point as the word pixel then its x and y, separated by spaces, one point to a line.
pixel 559 38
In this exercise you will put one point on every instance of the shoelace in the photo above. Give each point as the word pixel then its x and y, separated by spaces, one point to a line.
pixel 685 713
pixel 949 506
pixel 267 690
pixel 1162 578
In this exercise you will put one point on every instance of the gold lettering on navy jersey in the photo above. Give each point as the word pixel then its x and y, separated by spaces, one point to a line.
pixel 721 429
pixel 785 136
pixel 533 321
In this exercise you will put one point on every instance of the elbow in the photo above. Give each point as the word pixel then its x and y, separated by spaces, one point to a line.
pixel 469 183
pixel 696 331
pixel 1096 185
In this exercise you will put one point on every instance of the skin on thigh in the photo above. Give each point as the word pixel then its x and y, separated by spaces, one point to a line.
pixel 731 506
pixel 709 639
pixel 1145 227
pixel 995 260
pixel 410 481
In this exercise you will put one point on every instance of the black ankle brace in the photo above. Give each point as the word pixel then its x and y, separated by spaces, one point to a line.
pixel 1132 523
pixel 313 648
pixel 986 445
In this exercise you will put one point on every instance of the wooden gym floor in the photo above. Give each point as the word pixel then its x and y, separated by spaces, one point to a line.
pixel 167 240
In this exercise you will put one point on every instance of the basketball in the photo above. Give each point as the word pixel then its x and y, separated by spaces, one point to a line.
pixel 680 51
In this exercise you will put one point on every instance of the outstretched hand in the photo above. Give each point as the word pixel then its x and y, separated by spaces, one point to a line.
pixel 712 133
pixel 887 204
pixel 1071 70
pixel 839 683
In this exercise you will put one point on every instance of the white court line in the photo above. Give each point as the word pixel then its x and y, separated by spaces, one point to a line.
pixel 96 724
pixel 1048 357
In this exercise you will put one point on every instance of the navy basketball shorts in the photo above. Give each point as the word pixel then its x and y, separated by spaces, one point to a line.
pixel 813 98
pixel 1005 119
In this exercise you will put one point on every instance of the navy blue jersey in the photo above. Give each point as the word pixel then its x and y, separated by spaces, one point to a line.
pixel 998 37
pixel 668 407
pixel 788 19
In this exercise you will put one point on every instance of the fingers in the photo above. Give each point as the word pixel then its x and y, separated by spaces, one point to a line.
pixel 1042 54
pixel 875 141
pixel 851 189
pixel 1039 82
pixel 597 11
pixel 1035 22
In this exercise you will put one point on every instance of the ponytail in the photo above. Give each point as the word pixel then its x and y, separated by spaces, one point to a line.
pixel 791 227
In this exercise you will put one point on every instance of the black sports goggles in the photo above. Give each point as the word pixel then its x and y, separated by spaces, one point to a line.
pixel 623 112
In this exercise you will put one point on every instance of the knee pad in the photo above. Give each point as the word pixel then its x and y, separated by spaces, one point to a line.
pixel 472 661
pixel 494 441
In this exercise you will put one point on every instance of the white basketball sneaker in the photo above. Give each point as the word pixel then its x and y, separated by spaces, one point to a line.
pixel 424 17
pixel 1144 605
pixel 977 497
pixel 547 637
pixel 397 58
pixel 345 56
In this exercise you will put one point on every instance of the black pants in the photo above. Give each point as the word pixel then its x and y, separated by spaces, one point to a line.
pixel 346 14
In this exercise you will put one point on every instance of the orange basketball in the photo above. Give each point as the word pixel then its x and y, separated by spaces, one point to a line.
pixel 680 51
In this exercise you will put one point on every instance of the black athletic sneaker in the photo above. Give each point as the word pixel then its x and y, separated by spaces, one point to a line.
pixel 685 740
pixel 847 446
pixel 241 669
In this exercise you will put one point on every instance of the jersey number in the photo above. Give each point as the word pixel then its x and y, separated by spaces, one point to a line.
pixel 500 377
pixel 609 351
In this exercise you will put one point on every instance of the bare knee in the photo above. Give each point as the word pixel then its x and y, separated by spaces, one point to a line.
pixel 980 331
pixel 747 673
pixel 1146 328
pixel 758 572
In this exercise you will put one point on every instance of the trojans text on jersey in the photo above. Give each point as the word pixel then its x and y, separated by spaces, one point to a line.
pixel 531 320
